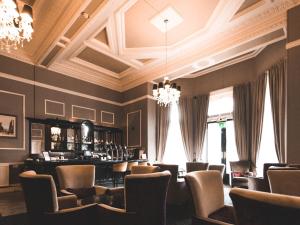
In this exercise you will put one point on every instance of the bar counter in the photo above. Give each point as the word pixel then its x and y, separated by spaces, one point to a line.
pixel 103 168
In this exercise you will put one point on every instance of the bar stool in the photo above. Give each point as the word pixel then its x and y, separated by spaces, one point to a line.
pixel 129 166
pixel 119 169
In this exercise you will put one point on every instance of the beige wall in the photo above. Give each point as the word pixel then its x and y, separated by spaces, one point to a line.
pixel 293 88
pixel 17 94
pixel 233 75
pixel 236 74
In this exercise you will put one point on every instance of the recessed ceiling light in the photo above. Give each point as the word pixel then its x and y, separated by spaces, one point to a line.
pixel 174 19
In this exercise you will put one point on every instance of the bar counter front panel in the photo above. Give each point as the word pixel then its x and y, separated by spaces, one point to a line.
pixel 103 174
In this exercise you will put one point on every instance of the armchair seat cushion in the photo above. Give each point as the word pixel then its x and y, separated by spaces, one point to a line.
pixel 224 214
pixel 82 192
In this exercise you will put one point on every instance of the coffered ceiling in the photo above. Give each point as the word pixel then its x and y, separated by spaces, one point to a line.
pixel 116 44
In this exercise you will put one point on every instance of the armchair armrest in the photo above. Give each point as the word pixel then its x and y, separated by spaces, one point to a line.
pixel 100 190
pixel 114 191
pixel 116 197
pixel 68 201
pixel 76 216
pixel 207 221
pixel 115 216
pixel 64 192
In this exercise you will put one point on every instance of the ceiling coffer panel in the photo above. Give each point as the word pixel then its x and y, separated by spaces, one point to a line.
pixel 247 4
pixel 102 60
pixel 146 61
pixel 89 10
pixel 102 37
pixel 52 54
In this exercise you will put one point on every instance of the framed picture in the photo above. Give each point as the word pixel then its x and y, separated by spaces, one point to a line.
pixel 8 126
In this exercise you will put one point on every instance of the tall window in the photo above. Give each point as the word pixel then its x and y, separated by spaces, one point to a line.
pixel 267 152
pixel 220 116
pixel 174 153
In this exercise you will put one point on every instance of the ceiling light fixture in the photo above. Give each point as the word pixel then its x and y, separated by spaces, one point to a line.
pixel 15 26
pixel 166 93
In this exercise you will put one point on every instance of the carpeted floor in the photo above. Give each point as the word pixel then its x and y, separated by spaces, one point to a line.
pixel 13 210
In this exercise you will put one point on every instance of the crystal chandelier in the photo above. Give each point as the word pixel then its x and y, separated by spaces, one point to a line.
pixel 166 93
pixel 15 26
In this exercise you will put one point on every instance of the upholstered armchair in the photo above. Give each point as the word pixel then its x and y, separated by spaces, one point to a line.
pixel 240 170
pixel 145 201
pixel 285 182
pixel 219 167
pixel 195 166
pixel 44 207
pixel 144 169
pixel 208 196
pixel 262 183
pixel 177 192
pixel 261 208
pixel 80 180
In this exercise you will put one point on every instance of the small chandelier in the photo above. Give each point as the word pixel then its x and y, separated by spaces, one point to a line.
pixel 15 26
pixel 166 93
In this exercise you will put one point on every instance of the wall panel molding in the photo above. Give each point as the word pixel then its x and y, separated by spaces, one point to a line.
pixel 23 119
pixel 55 102
pixel 67 91
pixel 139 112
pixel 86 109
pixel 107 122
pixel 293 44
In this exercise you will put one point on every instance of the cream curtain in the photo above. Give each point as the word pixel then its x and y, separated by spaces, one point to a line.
pixel 277 75
pixel 258 90
pixel 162 128
pixel 186 121
pixel 241 117
pixel 200 117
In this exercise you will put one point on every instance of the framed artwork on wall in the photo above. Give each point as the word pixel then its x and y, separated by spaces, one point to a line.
pixel 8 126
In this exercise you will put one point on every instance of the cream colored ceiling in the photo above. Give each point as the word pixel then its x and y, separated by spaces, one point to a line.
pixel 113 43
pixel 195 15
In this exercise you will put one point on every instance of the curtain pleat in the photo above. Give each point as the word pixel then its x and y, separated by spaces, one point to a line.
pixel 186 122
pixel 162 128
pixel 258 90
pixel 241 117
pixel 277 75
pixel 200 117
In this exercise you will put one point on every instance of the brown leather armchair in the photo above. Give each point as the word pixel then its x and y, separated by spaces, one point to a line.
pixel 144 169
pixel 240 170
pixel 262 183
pixel 177 192
pixel 195 166
pixel 208 196
pixel 219 167
pixel 145 201
pixel 285 182
pixel 261 208
pixel 44 207
pixel 80 180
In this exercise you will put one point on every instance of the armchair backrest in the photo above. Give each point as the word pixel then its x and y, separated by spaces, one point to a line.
pixel 261 208
pixel 268 165
pixel 207 191
pixel 173 168
pixel 195 166
pixel 242 166
pixel 76 176
pixel 39 192
pixel 146 194
pixel 144 169
pixel 284 182
pixel 220 167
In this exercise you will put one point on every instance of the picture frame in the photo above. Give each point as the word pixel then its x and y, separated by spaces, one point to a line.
pixel 8 126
